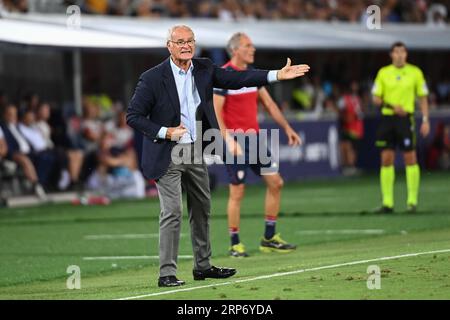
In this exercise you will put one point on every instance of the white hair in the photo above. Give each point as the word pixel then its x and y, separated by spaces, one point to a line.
pixel 172 30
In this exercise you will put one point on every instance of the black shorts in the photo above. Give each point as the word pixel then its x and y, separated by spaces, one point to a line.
pixel 347 137
pixel 251 159
pixel 395 131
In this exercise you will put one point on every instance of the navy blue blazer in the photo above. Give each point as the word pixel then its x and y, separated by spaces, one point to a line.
pixel 155 104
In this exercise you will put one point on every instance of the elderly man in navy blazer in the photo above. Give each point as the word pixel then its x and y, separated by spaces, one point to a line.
pixel 169 102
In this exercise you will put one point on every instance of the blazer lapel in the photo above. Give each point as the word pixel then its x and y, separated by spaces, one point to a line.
pixel 198 75
pixel 171 88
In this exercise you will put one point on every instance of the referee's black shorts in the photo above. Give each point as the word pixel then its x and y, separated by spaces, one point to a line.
pixel 396 131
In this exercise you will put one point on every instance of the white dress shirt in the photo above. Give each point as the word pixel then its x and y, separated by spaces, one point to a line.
pixel 190 100
pixel 24 147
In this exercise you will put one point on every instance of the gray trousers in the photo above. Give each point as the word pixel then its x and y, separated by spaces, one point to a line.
pixel 195 181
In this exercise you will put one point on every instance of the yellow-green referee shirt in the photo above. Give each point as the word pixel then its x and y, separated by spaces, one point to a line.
pixel 399 86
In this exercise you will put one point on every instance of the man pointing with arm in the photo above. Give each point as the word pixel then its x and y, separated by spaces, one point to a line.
pixel 168 101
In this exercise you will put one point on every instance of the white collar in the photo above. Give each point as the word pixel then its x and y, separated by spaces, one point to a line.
pixel 177 70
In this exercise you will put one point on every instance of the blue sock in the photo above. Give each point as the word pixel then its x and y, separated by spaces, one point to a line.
pixel 234 235
pixel 270 227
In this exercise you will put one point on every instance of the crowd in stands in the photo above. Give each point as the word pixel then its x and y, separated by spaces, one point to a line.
pixel 317 96
pixel 414 11
pixel 94 151
pixel 53 150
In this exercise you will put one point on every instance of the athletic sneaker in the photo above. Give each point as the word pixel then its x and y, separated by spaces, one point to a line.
pixel 238 250
pixel 411 208
pixel 276 244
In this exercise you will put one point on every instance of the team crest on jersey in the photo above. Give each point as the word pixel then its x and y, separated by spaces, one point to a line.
pixel 241 174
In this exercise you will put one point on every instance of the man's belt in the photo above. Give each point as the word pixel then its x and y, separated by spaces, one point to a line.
pixel 391 107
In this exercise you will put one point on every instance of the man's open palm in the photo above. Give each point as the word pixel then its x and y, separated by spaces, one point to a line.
pixel 291 72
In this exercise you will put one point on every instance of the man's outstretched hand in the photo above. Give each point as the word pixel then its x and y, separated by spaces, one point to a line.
pixel 291 72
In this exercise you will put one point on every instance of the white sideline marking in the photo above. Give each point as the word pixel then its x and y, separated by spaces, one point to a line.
pixel 123 236
pixel 341 231
pixel 280 274
pixel 131 257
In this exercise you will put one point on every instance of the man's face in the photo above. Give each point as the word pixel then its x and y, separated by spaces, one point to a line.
pixel 28 118
pixel 11 114
pixel 44 111
pixel 246 51
pixel 179 47
pixel 399 55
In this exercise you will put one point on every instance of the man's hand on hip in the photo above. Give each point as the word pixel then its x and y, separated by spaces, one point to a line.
pixel 291 72
pixel 398 110
pixel 175 133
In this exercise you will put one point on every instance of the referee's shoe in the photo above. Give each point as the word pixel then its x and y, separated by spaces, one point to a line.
pixel 276 244
pixel 383 210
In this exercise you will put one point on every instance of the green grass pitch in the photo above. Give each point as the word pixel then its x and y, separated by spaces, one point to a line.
pixel 336 244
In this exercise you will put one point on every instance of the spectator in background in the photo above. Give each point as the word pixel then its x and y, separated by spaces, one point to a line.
pixel 42 156
pixel 3 100
pixel 391 11
pixel 42 117
pixel 117 174
pixel 123 135
pixel 91 125
pixel 433 12
pixel 19 149
pixel 3 146
pixel 351 127
pixel 30 102
pixel 96 6
pixel 302 96
pixel 290 9
pixel 437 15
pixel 16 5
pixel 110 158
pixel 206 9
pixel 120 7
pixel 178 9
pixel 438 155
pixel 121 141
pixel 309 97
pixel 89 133
pixel 70 160
pixel 7 168
pixel 443 90
pixel 319 96
pixel 229 10
pixel 150 8
pixel 104 105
